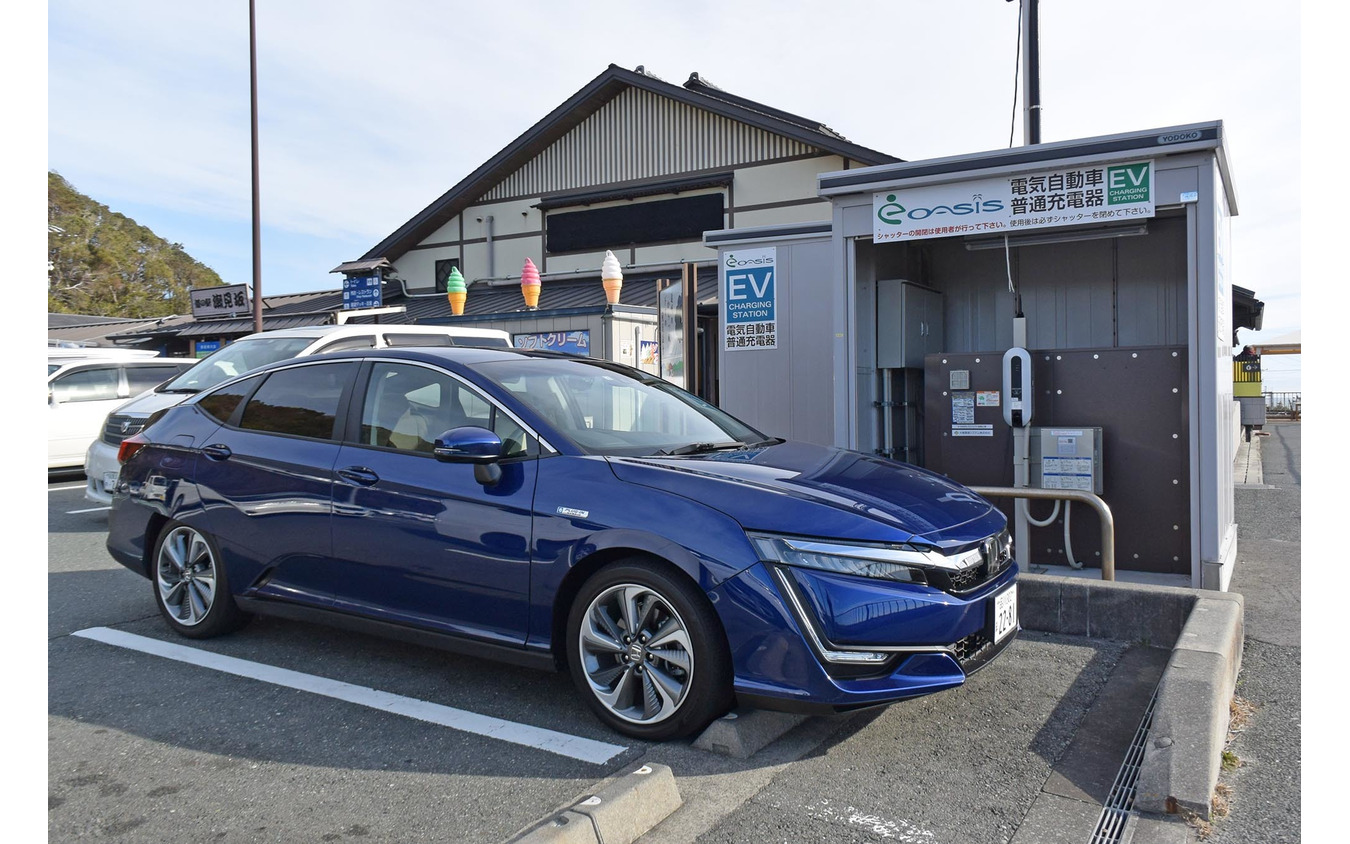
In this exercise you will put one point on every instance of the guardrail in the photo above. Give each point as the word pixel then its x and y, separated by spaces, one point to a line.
pixel 1288 405
pixel 1103 512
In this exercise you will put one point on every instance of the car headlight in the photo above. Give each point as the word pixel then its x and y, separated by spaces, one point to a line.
pixel 891 561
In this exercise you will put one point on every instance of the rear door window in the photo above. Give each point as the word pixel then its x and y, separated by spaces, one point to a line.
pixel 301 401
pixel 97 383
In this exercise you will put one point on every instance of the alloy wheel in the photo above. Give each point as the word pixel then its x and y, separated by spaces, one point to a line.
pixel 186 576
pixel 636 654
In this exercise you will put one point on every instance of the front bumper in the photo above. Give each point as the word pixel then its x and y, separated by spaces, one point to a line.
pixel 100 468
pixel 815 642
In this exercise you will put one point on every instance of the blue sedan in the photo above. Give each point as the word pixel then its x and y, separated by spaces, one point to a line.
pixel 571 514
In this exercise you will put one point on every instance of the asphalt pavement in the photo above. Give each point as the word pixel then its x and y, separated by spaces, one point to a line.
pixel 1265 787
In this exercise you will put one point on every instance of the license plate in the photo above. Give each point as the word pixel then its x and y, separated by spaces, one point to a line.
pixel 109 481
pixel 1005 613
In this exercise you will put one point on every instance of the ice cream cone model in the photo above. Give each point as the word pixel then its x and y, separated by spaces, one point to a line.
pixel 456 291
pixel 529 284
pixel 611 277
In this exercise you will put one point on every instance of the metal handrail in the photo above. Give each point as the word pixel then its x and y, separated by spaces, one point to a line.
pixel 1088 498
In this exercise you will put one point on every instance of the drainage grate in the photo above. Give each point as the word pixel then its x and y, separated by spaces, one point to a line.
pixel 1111 824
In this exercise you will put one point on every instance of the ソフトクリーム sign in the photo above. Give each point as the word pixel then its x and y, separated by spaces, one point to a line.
pixel 750 299
pixel 1074 196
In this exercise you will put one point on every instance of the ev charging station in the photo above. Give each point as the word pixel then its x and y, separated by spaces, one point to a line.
pixel 1055 315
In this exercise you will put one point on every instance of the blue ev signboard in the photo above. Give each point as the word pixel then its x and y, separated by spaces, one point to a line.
pixel 362 291
pixel 750 299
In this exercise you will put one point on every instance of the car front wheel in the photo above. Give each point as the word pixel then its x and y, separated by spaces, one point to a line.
pixel 190 585
pixel 647 651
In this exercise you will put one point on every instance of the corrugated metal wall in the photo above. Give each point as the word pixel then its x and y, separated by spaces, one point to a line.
pixel 640 135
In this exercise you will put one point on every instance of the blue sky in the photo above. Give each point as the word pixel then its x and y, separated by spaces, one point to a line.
pixel 369 111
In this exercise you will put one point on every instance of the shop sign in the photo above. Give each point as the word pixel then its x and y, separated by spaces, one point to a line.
pixel 1074 196
pixel 228 301
pixel 750 299
pixel 670 332
pixel 571 342
pixel 362 291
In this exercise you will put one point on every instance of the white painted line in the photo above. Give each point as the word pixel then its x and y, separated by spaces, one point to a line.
pixel 60 488
pixel 90 510
pixel 575 747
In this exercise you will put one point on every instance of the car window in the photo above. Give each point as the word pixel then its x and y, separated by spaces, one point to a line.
pixel 301 401
pixel 407 407
pixel 609 410
pixel 142 378
pixel 221 404
pixel 365 341
pixel 236 359
pixel 93 384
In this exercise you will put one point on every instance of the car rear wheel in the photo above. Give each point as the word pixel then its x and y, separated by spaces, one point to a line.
pixel 647 651
pixel 190 586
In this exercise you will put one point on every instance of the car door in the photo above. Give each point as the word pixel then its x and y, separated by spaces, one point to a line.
pixel 265 479
pixel 78 400
pixel 422 542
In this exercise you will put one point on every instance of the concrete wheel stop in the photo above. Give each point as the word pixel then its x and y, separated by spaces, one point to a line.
pixel 742 733
pixel 621 812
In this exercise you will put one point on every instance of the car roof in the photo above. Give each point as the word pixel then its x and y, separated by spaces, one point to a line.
pixel 89 363
pixel 317 331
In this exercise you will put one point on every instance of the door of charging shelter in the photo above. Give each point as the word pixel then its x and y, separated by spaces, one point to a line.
pixel 1128 319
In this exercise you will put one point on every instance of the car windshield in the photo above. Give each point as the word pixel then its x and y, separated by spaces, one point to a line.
pixel 616 411
pixel 236 359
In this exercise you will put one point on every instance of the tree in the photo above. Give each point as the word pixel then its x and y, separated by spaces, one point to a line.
pixel 106 264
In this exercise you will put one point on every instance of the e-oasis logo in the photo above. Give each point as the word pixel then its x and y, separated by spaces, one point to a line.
pixel 734 263
pixel 893 213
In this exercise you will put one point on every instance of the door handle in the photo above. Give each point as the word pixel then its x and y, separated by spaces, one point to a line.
pixel 359 475
pixel 217 451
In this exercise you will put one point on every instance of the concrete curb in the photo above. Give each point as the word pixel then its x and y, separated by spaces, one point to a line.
pixel 1181 762
pixel 743 733
pixel 621 812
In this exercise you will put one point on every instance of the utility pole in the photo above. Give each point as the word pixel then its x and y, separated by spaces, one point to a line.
pixel 1031 72
pixel 253 118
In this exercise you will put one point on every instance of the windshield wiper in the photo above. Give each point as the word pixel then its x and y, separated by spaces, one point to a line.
pixel 698 448
pixel 188 390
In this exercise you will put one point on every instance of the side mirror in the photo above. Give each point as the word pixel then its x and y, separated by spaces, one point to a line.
pixel 471 444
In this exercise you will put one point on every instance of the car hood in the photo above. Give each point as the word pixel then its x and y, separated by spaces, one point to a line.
pixel 804 489
pixel 150 401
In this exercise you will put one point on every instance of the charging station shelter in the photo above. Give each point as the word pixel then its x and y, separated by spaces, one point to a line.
pixel 885 329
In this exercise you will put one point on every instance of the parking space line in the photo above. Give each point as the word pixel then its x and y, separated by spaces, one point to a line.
pixel 60 488
pixel 574 747
pixel 90 510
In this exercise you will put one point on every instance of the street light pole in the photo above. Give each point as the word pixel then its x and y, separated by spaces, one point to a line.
pixel 253 118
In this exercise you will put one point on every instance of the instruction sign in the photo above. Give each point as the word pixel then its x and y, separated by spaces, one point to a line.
pixel 750 299
pixel 1074 196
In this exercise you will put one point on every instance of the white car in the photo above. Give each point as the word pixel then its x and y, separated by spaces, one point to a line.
pixel 100 461
pixel 81 392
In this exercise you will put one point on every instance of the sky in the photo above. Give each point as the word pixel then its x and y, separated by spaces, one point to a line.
pixel 369 111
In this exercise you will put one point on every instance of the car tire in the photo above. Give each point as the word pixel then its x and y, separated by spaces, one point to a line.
pixel 190 584
pixel 647 651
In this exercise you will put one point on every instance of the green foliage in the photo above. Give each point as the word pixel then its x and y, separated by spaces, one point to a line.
pixel 105 264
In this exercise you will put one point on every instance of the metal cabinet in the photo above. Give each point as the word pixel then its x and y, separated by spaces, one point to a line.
pixel 909 323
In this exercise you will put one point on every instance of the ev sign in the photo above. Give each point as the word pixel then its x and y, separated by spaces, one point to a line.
pixel 750 298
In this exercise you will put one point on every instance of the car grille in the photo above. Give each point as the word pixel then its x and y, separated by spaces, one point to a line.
pixel 118 427
pixel 968 579
pixel 971 648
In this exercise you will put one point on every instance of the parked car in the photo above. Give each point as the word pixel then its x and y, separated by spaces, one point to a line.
pixel 59 356
pixel 80 392
pixel 100 460
pixel 566 513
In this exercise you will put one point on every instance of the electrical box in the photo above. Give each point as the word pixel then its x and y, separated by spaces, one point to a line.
pixel 909 323
pixel 1066 458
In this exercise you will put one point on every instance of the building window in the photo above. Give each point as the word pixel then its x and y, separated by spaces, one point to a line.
pixel 633 224
pixel 443 269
